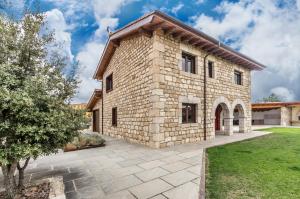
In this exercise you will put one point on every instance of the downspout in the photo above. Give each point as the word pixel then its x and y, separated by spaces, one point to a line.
pixel 204 94
pixel 102 118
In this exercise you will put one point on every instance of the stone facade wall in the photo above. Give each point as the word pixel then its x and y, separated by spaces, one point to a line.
pixel 149 88
pixel 130 66
pixel 176 87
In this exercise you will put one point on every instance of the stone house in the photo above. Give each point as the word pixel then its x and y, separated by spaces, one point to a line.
pixel 276 113
pixel 165 83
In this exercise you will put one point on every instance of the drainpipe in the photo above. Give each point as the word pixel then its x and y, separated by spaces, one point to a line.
pixel 102 118
pixel 204 93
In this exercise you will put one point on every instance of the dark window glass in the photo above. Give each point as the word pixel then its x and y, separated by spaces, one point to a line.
pixel 188 63
pixel 299 118
pixel 109 83
pixel 189 113
pixel 238 77
pixel 210 69
pixel 114 116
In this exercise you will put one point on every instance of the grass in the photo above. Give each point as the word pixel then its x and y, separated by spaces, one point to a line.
pixel 265 167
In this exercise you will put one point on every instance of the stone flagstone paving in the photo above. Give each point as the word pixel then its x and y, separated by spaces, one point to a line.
pixel 121 170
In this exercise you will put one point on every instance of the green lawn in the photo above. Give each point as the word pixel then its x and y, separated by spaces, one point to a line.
pixel 266 167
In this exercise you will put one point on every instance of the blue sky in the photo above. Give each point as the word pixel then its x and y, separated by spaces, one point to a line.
pixel 130 12
pixel 266 30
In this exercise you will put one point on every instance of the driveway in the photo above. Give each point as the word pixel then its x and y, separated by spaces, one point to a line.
pixel 122 170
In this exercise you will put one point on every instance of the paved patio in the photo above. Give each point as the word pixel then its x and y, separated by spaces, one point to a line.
pixel 121 170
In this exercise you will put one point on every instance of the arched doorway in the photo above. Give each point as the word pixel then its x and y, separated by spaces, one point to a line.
pixel 239 119
pixel 222 120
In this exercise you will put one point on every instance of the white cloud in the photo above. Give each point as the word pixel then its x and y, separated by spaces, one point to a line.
pixel 200 1
pixel 73 9
pixel 88 58
pixel 176 8
pixel 298 4
pixel 104 13
pixel 284 93
pixel 265 31
pixel 55 21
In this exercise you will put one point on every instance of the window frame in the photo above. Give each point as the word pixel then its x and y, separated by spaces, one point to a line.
pixel 114 116
pixel 211 65
pixel 184 63
pixel 109 81
pixel 236 80
pixel 185 119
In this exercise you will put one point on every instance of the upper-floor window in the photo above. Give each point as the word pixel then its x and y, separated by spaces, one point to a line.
pixel 189 113
pixel 188 63
pixel 114 118
pixel 237 77
pixel 210 69
pixel 109 83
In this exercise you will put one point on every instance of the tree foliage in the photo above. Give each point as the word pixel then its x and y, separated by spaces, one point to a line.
pixel 35 116
pixel 272 98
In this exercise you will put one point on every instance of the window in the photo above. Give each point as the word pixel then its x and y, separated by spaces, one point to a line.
pixel 210 69
pixel 237 77
pixel 188 63
pixel 114 116
pixel 109 83
pixel 299 118
pixel 189 113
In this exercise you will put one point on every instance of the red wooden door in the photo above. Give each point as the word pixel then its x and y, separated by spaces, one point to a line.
pixel 218 118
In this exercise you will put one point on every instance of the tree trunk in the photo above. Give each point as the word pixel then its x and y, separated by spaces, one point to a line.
pixel 21 174
pixel 21 180
pixel 9 181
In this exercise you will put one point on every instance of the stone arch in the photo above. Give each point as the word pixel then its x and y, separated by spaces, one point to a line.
pixel 221 116
pixel 239 112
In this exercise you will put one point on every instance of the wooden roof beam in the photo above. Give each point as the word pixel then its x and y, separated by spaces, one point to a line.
pixel 179 35
pixel 145 32
pixel 170 31
pixel 157 25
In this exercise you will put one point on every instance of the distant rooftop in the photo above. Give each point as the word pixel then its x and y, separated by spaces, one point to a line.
pixel 268 105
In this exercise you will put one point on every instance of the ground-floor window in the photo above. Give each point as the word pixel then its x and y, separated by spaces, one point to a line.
pixel 114 116
pixel 189 113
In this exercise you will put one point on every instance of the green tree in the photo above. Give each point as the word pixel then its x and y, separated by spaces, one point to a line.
pixel 35 116
pixel 272 98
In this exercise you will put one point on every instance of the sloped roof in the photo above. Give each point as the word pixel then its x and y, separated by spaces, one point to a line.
pixel 270 105
pixel 154 20
pixel 97 94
